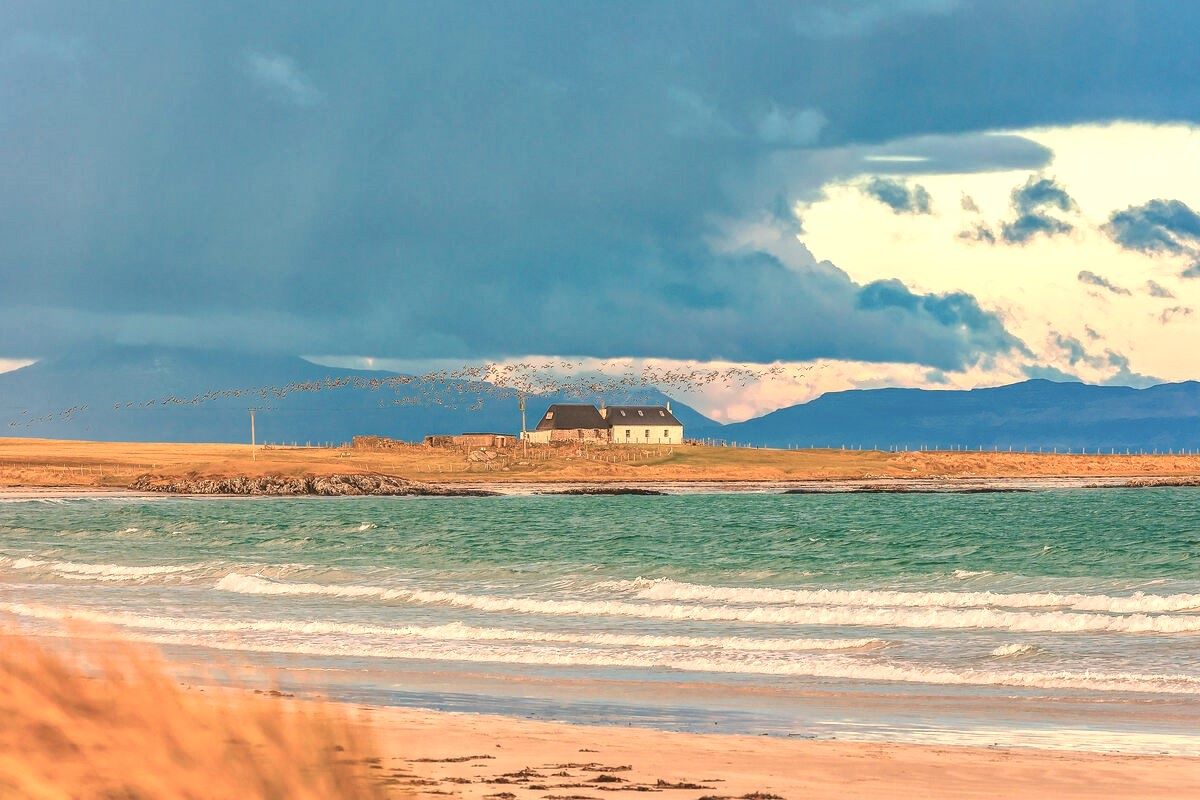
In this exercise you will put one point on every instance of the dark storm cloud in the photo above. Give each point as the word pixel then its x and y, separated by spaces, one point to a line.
pixel 1159 226
pixel 463 179
pixel 899 196
pixel 954 310
pixel 1048 373
pixel 1092 279
pixel 1169 314
pixel 1124 376
pixel 1034 204
pixel 980 233
pixel 1031 202
pixel 1041 193
pixel 807 313
pixel 1072 347
pixel 1156 289
pixel 1077 354
pixel 1026 226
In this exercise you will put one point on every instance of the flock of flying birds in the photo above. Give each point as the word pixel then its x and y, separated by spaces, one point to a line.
pixel 472 385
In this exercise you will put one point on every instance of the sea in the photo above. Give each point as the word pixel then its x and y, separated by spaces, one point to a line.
pixel 1065 619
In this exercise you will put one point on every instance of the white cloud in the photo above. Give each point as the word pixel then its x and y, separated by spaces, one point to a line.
pixel 1035 288
pixel 9 364
pixel 280 76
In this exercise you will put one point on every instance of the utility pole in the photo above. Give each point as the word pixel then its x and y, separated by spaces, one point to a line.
pixel 253 451
pixel 524 439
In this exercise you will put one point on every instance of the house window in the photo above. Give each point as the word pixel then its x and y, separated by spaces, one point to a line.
pixel 666 434
pixel 647 433
pixel 662 413
pixel 549 415
pixel 640 414
pixel 627 432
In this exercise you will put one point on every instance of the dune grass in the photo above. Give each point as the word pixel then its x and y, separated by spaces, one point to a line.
pixel 108 722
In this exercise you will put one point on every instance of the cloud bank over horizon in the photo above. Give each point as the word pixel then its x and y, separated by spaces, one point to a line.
pixel 463 181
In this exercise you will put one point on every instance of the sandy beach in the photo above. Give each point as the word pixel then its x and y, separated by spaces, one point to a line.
pixel 498 758
pixel 309 746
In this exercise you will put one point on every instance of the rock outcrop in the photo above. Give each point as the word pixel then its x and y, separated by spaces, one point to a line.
pixel 336 485
pixel 1151 483
pixel 605 490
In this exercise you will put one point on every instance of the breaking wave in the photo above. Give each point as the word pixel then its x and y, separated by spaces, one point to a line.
pixel 807 666
pixel 1139 602
pixel 98 571
pixel 932 617
pixel 454 631
pixel 1015 650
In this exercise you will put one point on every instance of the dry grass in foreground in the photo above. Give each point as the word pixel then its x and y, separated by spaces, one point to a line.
pixel 112 724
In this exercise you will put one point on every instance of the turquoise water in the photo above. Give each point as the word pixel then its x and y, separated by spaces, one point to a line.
pixel 1011 617
pixel 1118 534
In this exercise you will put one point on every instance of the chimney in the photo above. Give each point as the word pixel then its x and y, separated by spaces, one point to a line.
pixel 603 410
pixel 668 405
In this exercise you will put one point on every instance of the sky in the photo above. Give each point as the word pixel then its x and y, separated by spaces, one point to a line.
pixel 936 193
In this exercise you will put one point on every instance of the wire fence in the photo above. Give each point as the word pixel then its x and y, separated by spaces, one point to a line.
pixel 1093 450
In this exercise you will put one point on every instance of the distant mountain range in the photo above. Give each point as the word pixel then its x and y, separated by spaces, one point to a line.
pixel 1032 414
pixel 143 394
pixel 109 390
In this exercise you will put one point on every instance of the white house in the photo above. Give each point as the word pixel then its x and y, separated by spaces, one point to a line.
pixel 642 425
pixel 616 424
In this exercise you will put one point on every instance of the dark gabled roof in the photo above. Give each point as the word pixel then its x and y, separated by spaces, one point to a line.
pixel 637 415
pixel 571 416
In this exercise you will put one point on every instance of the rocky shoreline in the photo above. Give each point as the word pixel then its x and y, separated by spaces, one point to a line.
pixel 335 485
pixel 897 488
pixel 383 485
pixel 604 490
pixel 1152 483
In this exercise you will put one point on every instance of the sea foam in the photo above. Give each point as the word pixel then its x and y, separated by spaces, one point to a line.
pixel 110 571
pixel 1014 650
pixel 806 666
pixel 462 643
pixel 933 617
pixel 454 631
pixel 1139 602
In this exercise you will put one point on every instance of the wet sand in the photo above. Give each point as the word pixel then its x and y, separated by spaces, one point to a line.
pixel 435 754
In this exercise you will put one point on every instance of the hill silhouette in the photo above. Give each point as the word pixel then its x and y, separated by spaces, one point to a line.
pixel 1032 414
pixel 167 394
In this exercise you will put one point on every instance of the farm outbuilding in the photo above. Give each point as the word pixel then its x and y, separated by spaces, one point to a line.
pixel 568 422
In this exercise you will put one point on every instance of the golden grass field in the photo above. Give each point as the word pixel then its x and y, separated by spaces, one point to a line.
pixel 29 463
